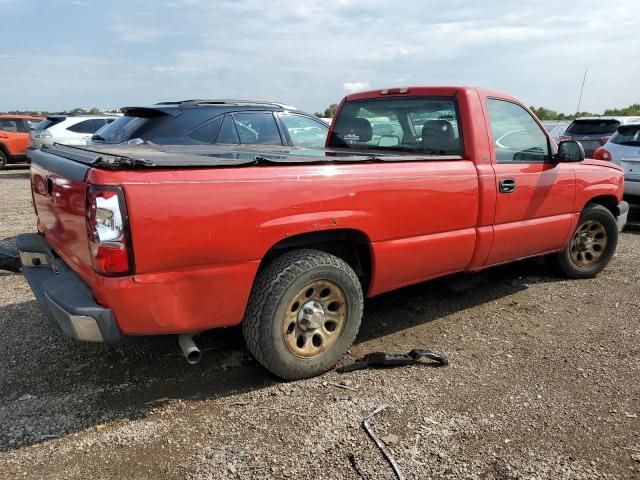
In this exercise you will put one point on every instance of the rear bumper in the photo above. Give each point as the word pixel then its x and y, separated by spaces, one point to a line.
pixel 623 215
pixel 63 296
pixel 631 187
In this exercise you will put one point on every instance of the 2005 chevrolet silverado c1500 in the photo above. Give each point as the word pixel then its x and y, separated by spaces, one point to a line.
pixel 415 183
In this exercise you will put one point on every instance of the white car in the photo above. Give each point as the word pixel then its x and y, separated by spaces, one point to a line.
pixel 68 130
pixel 623 148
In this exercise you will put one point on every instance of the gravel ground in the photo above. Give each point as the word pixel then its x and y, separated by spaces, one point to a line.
pixel 543 383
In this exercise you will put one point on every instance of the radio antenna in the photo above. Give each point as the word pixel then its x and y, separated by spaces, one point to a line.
pixel 584 79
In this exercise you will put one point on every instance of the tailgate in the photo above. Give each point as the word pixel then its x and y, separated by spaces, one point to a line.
pixel 631 166
pixel 59 195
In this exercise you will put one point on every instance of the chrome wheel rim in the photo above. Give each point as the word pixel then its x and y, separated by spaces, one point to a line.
pixel 588 243
pixel 315 319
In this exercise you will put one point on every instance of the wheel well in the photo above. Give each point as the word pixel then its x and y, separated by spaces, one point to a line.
pixel 4 149
pixel 352 246
pixel 607 201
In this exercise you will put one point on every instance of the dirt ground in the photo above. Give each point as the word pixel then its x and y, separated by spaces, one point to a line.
pixel 543 383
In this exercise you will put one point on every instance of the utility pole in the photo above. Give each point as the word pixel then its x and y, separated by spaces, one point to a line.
pixel 581 90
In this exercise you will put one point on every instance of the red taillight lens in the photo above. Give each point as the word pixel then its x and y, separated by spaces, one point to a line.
pixel 564 138
pixel 108 231
pixel 602 154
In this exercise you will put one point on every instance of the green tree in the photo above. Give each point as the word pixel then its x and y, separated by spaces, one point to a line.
pixel 330 111
pixel 631 110
pixel 95 111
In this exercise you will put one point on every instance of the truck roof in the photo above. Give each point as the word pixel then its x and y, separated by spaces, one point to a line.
pixel 426 90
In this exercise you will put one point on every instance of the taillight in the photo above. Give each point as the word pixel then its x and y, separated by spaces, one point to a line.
pixel 602 154
pixel 108 231
pixel 564 138
pixel 41 134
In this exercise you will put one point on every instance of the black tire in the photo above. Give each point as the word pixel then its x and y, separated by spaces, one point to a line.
pixel 605 223
pixel 269 308
pixel 3 159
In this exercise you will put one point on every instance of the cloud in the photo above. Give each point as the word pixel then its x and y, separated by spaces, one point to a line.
pixel 352 87
pixel 310 53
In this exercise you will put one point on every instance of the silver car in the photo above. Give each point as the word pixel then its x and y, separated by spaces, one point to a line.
pixel 68 129
pixel 555 128
pixel 623 148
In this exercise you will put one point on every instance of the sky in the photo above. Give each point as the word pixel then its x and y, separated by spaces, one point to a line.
pixel 61 54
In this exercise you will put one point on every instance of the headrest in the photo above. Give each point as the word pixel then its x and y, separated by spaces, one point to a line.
pixel 438 128
pixel 358 131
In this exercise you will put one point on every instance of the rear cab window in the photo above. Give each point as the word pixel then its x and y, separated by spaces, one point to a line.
pixel 429 125
pixel 592 127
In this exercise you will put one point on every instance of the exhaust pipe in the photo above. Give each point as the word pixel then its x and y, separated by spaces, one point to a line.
pixel 189 349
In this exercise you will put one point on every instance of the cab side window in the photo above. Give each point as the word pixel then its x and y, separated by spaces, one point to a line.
pixel 517 136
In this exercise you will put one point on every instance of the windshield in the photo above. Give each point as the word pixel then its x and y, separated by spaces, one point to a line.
pixel 628 135
pixel 125 128
pixel 412 124
pixel 593 127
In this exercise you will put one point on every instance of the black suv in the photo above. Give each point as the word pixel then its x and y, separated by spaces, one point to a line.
pixel 593 132
pixel 230 122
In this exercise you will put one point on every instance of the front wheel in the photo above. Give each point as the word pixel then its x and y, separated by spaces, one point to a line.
pixel 592 244
pixel 303 314
pixel 3 159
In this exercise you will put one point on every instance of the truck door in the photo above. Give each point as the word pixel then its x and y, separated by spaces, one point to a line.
pixel 535 194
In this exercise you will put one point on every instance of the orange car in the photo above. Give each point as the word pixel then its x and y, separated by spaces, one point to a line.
pixel 14 137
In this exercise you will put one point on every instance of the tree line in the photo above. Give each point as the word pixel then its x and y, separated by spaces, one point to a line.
pixel 546 114
pixel 74 111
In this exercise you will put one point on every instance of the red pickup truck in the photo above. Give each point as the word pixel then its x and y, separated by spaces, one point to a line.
pixel 415 183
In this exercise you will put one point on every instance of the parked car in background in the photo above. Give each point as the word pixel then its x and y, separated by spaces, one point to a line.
pixel 593 132
pixel 14 137
pixel 68 129
pixel 623 148
pixel 555 128
pixel 230 122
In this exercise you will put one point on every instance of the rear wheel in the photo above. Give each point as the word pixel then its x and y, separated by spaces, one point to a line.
pixel 304 313
pixel 592 244
pixel 3 159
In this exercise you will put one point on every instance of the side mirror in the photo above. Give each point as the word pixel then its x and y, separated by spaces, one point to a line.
pixel 570 151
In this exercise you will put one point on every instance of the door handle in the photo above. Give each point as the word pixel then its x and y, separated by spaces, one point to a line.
pixel 508 185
